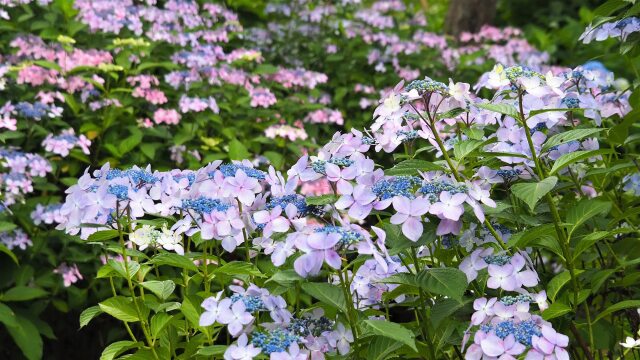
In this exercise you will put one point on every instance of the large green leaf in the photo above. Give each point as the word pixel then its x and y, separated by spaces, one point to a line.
pixel 585 210
pixel 26 335
pixel 121 308
pixel 504 109
pixel 531 193
pixel 449 282
pixel 327 294
pixel 118 266
pixel 175 260
pixel 380 347
pixel 567 136
pixel 237 150
pixel 23 293
pixel 391 330
pixel 234 268
pixel 162 289
pixel 572 157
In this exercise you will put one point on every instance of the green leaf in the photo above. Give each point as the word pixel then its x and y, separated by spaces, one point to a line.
pixel 392 331
pixel 558 281
pixel 585 210
pixel 568 136
pixel 162 289
pixel 23 293
pixel 505 109
pixel 556 309
pixel 286 277
pixel 463 148
pixel 117 348
pixel 525 238
pixel 234 268
pixel 212 350
pixel 176 260
pixel 381 347
pixel 103 235
pixel 7 316
pixel 572 157
pixel 118 266
pixel 321 200
pixel 130 143
pixel 587 242
pixel 449 282
pixel 626 304
pixel 121 308
pixel 237 150
pixel 158 322
pixel 411 167
pixel 327 294
pixel 6 226
pixel 26 335
pixel 5 249
pixel 531 193
pixel 443 309
pixel 88 314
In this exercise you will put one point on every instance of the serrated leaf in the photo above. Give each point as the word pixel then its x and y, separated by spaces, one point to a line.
pixel 567 136
pixel 327 294
pixel 158 322
pixel 121 308
pixel 176 260
pixel 239 268
pixel 531 193
pixel 449 282
pixel 118 266
pixel 585 210
pixel 504 109
pixel 572 157
pixel 411 167
pixel 88 314
pixel 462 149
pixel 392 331
pixel 162 289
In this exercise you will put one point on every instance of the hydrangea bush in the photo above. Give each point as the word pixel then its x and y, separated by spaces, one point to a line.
pixel 499 232
pixel 451 220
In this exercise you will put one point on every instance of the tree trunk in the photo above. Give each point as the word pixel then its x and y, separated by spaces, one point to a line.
pixel 469 15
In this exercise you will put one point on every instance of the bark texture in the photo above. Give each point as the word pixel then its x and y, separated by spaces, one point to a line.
pixel 469 15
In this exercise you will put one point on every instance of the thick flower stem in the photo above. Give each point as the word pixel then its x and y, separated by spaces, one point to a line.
pixel 143 322
pixel 351 317
pixel 562 236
